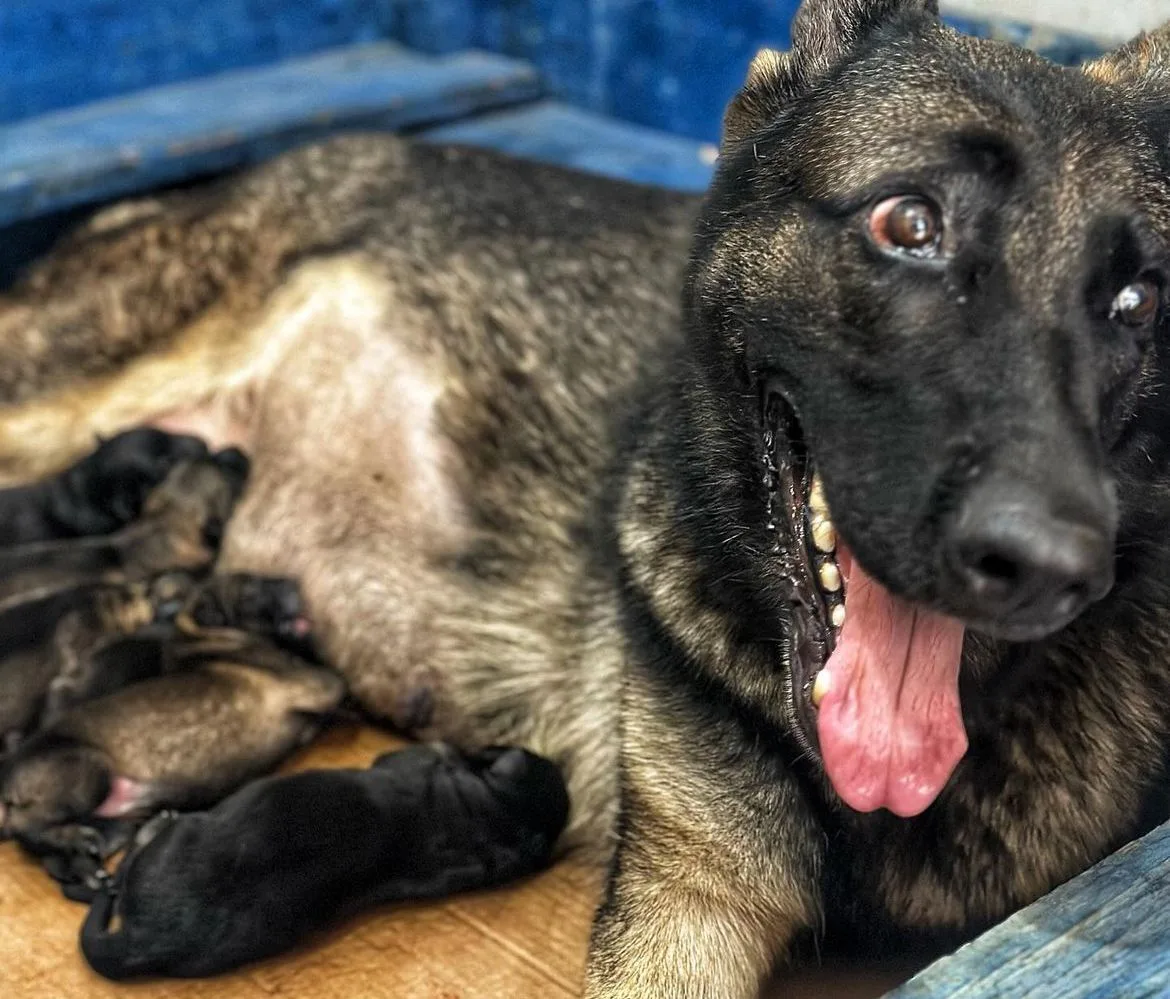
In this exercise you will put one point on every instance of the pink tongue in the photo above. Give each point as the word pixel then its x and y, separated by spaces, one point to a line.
pixel 890 727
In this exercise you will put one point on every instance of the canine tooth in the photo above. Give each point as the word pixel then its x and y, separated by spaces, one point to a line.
pixel 816 498
pixel 837 616
pixel 821 687
pixel 824 535
pixel 830 577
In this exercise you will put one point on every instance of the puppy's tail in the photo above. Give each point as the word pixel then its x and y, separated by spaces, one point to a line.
pixel 107 950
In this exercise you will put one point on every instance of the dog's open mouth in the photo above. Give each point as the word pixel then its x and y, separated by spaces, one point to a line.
pixel 874 679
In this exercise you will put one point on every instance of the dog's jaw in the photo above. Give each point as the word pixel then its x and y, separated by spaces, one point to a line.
pixel 874 691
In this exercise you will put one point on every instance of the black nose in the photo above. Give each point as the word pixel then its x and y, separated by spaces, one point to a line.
pixel 1024 566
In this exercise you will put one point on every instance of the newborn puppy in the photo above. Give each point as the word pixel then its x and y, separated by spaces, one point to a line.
pixel 181 526
pixel 132 632
pixel 65 588
pixel 271 606
pixel 101 493
pixel 231 711
pixel 107 637
pixel 201 894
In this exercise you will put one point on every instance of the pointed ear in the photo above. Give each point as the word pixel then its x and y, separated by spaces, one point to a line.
pixel 772 81
pixel 1140 71
pixel 1140 64
pixel 824 33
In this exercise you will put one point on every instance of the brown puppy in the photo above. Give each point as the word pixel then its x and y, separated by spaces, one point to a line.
pixel 231 709
pixel 135 631
pixel 101 580
pixel 181 527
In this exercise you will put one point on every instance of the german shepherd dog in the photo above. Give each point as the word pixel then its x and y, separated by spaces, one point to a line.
pixel 840 595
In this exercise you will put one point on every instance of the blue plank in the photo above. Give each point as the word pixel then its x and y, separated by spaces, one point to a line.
pixel 1104 935
pixel 666 64
pixel 553 132
pixel 672 64
pixel 178 131
pixel 58 53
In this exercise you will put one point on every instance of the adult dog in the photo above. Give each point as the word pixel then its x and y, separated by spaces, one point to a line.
pixel 842 597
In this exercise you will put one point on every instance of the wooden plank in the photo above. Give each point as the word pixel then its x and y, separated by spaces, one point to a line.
pixel 474 947
pixel 1104 935
pixel 674 64
pixel 558 133
pixel 171 133
pixel 60 53
pixel 671 64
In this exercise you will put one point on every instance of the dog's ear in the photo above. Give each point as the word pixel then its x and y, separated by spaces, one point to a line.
pixel 824 33
pixel 1140 71
pixel 773 79
pixel 1141 64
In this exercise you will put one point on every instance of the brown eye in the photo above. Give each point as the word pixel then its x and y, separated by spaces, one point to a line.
pixel 1137 304
pixel 907 225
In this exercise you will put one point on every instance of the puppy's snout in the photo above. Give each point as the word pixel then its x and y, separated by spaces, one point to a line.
pixel 1024 562
pixel 236 467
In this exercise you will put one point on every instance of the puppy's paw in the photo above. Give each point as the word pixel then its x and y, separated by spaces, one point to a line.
pixel 530 786
pixel 106 490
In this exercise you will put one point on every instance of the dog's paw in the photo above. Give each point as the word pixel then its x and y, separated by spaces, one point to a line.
pixel 106 490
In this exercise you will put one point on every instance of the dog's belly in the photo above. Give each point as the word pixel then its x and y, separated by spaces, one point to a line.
pixel 349 491
pixel 360 490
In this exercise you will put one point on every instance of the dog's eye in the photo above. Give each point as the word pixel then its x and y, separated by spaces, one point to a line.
pixel 907 224
pixel 1137 305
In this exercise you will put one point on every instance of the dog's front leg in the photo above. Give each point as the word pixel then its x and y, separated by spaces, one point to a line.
pixel 717 867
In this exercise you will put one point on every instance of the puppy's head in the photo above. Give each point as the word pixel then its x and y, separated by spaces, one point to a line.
pixel 189 511
pixel 940 266
pixel 259 605
pixel 46 784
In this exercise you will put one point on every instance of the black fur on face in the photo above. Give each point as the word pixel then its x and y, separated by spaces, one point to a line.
pixel 955 279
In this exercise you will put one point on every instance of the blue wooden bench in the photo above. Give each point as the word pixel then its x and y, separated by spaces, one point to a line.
pixel 100 98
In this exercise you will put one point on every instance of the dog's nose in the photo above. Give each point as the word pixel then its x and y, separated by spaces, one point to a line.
pixel 1022 565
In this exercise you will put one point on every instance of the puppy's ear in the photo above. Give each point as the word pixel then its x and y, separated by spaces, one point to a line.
pixel 824 34
pixel 1138 64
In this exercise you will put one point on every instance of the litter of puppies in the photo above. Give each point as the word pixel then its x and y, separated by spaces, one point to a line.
pixel 136 680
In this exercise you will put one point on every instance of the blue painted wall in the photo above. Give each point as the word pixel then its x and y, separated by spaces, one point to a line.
pixel 674 64
pixel 56 53
pixel 670 64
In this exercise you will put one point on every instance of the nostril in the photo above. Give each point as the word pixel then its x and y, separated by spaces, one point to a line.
pixel 996 567
pixel 989 573
pixel 1015 561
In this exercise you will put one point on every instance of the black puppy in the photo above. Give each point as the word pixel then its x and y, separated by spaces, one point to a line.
pixel 99 494
pixel 201 894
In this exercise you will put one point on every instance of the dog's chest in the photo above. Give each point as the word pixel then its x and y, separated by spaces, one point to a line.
pixel 1059 774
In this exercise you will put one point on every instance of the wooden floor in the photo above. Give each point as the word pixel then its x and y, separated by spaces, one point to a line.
pixel 526 942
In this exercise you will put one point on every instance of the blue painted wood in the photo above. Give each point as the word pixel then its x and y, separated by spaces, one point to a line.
pixel 553 132
pixel 58 53
pixel 667 64
pixel 174 132
pixel 1104 935
pixel 674 64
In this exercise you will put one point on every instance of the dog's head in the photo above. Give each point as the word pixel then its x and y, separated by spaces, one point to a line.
pixel 943 263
